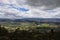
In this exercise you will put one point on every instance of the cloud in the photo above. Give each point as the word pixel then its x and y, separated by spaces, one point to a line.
pixel 49 4
pixel 15 9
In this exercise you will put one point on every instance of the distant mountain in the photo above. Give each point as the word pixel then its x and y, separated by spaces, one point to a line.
pixel 43 19
pixel 31 19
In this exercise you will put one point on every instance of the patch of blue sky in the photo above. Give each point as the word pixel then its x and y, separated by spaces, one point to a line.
pixel 23 9
pixel 19 8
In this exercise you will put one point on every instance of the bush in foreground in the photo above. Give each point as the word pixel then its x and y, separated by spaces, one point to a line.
pixel 28 35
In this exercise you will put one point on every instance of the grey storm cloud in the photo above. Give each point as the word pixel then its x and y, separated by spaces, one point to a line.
pixel 50 4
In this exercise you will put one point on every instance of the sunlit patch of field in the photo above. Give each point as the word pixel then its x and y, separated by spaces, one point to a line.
pixel 12 26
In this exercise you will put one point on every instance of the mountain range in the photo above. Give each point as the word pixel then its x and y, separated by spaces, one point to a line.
pixel 31 20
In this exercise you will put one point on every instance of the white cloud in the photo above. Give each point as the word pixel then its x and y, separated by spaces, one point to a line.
pixel 8 11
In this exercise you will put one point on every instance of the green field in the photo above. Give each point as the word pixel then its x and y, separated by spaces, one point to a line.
pixel 29 26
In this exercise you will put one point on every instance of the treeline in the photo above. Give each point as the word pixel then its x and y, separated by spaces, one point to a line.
pixel 28 35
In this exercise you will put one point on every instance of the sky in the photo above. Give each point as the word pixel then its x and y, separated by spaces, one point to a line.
pixel 17 9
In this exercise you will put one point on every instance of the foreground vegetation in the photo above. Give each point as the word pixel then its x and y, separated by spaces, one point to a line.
pixel 28 35
pixel 29 31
